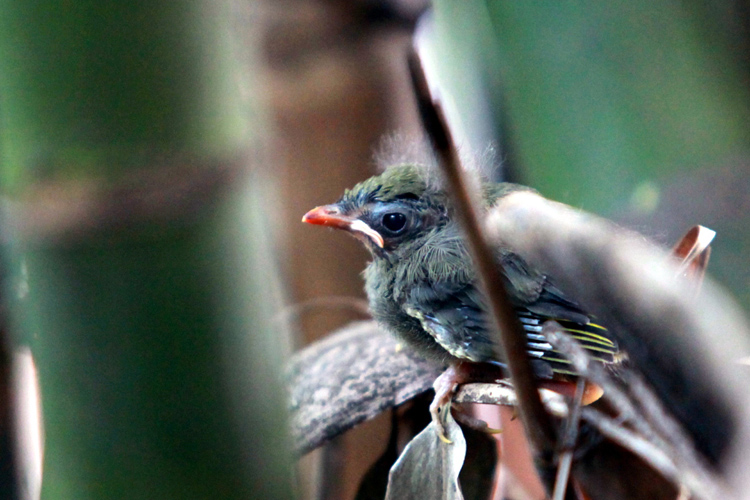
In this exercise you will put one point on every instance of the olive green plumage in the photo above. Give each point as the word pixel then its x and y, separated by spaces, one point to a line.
pixel 421 284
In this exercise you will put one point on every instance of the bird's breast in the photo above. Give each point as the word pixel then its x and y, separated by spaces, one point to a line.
pixel 386 294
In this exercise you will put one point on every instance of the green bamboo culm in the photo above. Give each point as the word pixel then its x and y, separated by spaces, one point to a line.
pixel 157 359
pixel 91 84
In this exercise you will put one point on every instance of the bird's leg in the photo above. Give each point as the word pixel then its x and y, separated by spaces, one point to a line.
pixel 446 384
pixel 445 387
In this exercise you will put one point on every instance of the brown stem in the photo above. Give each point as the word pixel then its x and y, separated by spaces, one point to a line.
pixel 568 442
pixel 537 422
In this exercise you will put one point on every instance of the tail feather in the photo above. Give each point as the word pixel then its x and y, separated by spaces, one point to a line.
pixel 593 338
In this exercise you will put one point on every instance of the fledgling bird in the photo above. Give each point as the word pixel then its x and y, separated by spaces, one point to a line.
pixel 422 286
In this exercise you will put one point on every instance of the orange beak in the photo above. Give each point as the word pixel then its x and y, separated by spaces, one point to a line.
pixel 327 215
pixel 331 216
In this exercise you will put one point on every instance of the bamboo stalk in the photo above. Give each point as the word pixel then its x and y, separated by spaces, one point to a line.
pixel 150 286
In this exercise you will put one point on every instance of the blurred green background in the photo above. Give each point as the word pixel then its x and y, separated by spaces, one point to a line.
pixel 638 111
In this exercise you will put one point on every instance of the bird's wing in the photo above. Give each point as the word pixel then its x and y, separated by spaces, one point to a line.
pixel 455 319
pixel 537 300
pixel 594 338
pixel 530 289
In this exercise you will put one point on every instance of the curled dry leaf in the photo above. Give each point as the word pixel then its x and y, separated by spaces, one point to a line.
pixel 692 252
pixel 428 467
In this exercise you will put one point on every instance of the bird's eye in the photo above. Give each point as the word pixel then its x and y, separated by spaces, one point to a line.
pixel 394 221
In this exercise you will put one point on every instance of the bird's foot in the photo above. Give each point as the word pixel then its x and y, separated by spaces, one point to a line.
pixel 445 387
pixel 437 411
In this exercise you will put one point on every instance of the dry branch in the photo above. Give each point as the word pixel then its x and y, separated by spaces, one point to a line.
pixel 511 336
pixel 351 376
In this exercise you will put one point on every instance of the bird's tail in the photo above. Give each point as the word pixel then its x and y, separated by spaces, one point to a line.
pixel 594 338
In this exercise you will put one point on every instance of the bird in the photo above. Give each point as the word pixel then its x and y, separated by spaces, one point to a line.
pixel 422 286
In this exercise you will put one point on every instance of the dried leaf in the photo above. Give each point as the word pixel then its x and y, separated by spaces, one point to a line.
pixel 428 467
pixel 682 347
pixel 693 251
pixel 696 240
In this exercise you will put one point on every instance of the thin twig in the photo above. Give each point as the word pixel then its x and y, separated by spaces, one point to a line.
pixel 564 464
pixel 629 440
pixel 665 425
pixel 653 455
pixel 570 435
pixel 615 394
pixel 568 442
pixel 591 371
pixel 539 427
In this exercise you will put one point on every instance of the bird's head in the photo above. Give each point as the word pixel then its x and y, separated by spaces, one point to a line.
pixel 388 212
